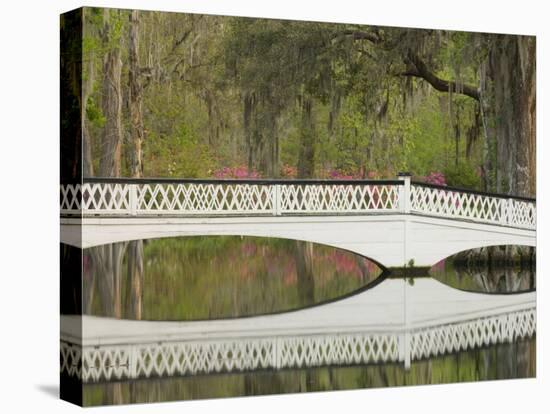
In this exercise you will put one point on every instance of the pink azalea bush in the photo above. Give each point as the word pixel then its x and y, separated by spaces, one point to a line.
pixel 288 171
pixel 436 178
pixel 240 171
pixel 338 175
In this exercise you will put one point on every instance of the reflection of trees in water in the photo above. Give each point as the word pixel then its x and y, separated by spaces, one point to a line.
pixel 506 255
pixel 134 291
pixel 106 264
pixel 104 274
pixel 71 288
pixel 304 257
pixel 211 277
pixel 494 269
pixel 303 254
pixel 502 361
pixel 498 279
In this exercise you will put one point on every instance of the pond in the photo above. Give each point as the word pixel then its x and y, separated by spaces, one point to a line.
pixel 229 277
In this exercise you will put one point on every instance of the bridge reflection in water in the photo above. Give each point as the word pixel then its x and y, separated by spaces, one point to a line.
pixel 395 321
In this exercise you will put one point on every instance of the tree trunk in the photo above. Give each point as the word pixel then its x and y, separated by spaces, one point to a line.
pixel 306 155
pixel 248 113
pixel 271 156
pixel 107 259
pixel 87 167
pixel 511 70
pixel 109 163
pixel 135 98
pixel 134 286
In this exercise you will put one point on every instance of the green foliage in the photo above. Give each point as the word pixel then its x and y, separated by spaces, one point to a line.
pixel 462 175
pixel 178 155
pixel 197 71
pixel 94 113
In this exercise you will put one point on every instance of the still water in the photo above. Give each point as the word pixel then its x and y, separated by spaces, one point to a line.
pixel 200 278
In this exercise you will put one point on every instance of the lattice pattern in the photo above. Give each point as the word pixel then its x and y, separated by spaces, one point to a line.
pixel 70 199
pixel 71 359
pixel 522 214
pixel 212 199
pixel 190 358
pixel 277 199
pixel 95 198
pixel 444 339
pixel 107 363
pixel 477 207
pixel 338 198
pixel 311 351
pixel 204 199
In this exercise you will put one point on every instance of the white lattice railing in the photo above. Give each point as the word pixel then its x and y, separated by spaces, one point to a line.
pixel 492 330
pixel 231 197
pixel 443 202
pixel 159 359
pixel 234 197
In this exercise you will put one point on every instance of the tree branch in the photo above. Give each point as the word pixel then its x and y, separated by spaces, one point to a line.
pixel 417 68
pixel 362 35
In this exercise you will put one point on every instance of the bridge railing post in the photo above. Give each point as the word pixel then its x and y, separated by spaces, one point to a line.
pixel 510 209
pixel 133 200
pixel 277 200
pixel 405 349
pixel 133 362
pixel 506 211
pixel 405 192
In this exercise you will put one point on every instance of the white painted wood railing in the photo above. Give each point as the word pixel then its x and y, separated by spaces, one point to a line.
pixel 229 197
pixel 166 358
pixel 450 203
pixel 128 197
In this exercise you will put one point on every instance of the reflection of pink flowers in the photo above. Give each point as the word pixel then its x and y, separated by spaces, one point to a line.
pixel 439 266
pixel 86 263
pixel 347 263
pixel 248 249
pixel 290 275
pixel 240 171
pixel 255 259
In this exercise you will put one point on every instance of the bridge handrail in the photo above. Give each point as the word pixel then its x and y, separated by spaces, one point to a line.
pixel 165 196
pixel 470 191
pixel 473 205
pixel 229 196
pixel 256 181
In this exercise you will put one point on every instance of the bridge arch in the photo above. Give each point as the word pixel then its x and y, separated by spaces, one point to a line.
pixel 389 240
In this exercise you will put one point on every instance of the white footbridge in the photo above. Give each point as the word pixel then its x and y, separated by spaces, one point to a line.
pixel 393 322
pixel 393 222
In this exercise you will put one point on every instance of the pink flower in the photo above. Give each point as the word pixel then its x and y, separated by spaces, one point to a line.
pixel 436 178
pixel 240 171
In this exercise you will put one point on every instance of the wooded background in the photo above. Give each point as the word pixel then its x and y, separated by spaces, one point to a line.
pixel 188 95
